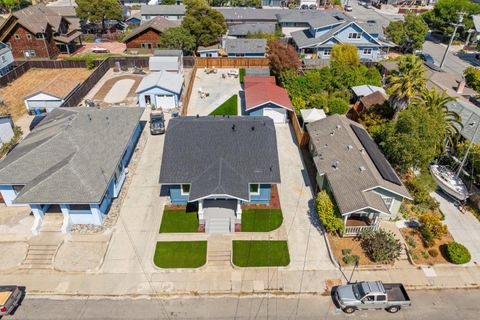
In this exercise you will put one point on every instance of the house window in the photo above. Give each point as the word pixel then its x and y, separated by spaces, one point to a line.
pixel 147 45
pixel 17 36
pixel 327 52
pixel 4 59
pixel 39 36
pixel 255 189
pixel 80 207
pixel 388 202
pixel 29 36
pixel 29 53
pixel 185 190
pixel 354 35
pixel 367 51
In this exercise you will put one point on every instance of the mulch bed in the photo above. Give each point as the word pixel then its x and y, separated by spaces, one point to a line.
pixel 416 253
pixel 107 86
pixel 338 244
pixel 274 201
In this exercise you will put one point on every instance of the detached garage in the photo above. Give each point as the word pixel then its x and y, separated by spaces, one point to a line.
pixel 50 94
pixel 160 90
pixel 264 98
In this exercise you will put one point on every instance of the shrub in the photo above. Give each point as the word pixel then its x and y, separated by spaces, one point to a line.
pixel 427 237
pixel 346 252
pixel 328 213
pixel 338 106
pixel 242 75
pixel 380 245
pixel 348 259
pixel 425 255
pixel 457 253
pixel 90 62
pixel 433 253
pixel 411 241
pixel 472 78
pixel 432 223
pixel 420 187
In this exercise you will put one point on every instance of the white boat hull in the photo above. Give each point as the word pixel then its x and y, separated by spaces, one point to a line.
pixel 447 181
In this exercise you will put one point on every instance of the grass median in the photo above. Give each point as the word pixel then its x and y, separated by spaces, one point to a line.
pixel 261 220
pixel 260 253
pixel 180 254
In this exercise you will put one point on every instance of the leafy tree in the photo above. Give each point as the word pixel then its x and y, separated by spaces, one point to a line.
pixel 205 23
pixel 431 228
pixel 99 10
pixel 345 54
pixel 472 78
pixel 298 104
pixel 170 2
pixel 328 213
pixel 338 106
pixel 406 82
pixel 282 57
pixel 380 245
pixel 420 187
pixel 319 100
pixel 444 14
pixel 473 158
pixel 12 5
pixel 245 3
pixel 177 38
pixel 410 34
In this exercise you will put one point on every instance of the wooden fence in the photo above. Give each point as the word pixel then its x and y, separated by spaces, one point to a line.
pixel 188 93
pixel 302 137
pixel 231 62
pixel 15 73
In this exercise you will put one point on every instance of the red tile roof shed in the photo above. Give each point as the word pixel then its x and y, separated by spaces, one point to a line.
pixel 260 90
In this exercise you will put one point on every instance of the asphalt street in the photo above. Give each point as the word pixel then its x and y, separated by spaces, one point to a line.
pixel 438 305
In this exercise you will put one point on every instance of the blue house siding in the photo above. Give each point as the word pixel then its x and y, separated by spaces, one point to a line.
pixel 176 196
pixel 258 111
pixel 9 194
pixel 156 91
pixel 264 196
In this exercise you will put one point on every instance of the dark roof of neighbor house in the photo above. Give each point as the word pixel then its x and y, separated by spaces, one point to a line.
pixel 260 90
pixel 36 18
pixel 237 46
pixel 315 18
pixel 162 9
pixel 168 53
pixel 213 47
pixel 470 117
pixel 158 24
pixel 71 156
pixel 373 99
pixel 349 168
pixel 257 71
pixel 249 14
pixel 220 155
pixel 252 28
pixel 59 86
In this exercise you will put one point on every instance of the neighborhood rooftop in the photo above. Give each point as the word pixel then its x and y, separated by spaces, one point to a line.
pixel 260 90
pixel 354 167
pixel 239 46
pixel 252 28
pixel 162 9
pixel 171 81
pixel 220 155
pixel 59 86
pixel 70 156
pixel 36 18
pixel 159 24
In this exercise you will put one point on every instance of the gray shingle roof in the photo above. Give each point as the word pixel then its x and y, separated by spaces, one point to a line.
pixel 470 117
pixel 315 18
pixel 249 14
pixel 355 174
pixel 70 156
pixel 238 46
pixel 168 53
pixel 246 28
pixel 172 82
pixel 220 155
pixel 36 18
pixel 160 9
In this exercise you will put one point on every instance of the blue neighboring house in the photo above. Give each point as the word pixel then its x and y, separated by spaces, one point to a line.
pixel 219 164
pixel 248 48
pixel 73 163
pixel 316 41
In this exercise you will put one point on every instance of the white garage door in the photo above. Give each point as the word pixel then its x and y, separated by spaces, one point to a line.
pixel 165 102
pixel 278 115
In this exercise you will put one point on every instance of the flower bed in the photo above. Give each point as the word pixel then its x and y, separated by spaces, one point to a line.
pixel 340 247
pixel 420 252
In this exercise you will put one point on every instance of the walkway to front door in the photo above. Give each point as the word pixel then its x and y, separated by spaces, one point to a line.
pixel 219 216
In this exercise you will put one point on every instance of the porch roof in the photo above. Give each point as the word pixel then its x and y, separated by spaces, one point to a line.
pixel 68 38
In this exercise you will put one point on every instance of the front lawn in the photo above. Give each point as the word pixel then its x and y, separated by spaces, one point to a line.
pixel 179 221
pixel 261 220
pixel 180 254
pixel 254 253
pixel 228 108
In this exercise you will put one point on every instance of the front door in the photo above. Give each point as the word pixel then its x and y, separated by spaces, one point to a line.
pixel 148 100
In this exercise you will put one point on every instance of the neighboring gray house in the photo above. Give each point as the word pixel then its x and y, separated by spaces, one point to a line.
pixel 6 59
pixel 160 89
pixel 242 30
pixel 249 48
pixel 351 166
pixel 73 164
pixel 170 12
pixel 238 15
pixel 213 51
pixel 220 163
pixel 6 129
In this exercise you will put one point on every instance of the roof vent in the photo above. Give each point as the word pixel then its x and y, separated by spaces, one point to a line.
pixel 89 117
pixel 253 128
pixel 233 127
pixel 362 168
pixel 338 126
pixel 362 151
pixel 336 164
pixel 198 116
pixel 349 147
pixel 332 133
pixel 326 145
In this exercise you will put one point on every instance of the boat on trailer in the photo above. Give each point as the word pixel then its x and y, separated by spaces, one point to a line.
pixel 449 182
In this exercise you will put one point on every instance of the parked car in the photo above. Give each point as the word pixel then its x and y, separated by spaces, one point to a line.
pixel 304 7
pixel 157 122
pixel 368 5
pixel 426 57
pixel 348 8
pixel 36 120
pixel 371 295
pixel 313 7
pixel 10 297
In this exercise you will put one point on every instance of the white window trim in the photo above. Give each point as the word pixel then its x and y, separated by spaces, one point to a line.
pixel 254 193
pixel 354 35
pixel 327 52
pixel 181 189
pixel 368 53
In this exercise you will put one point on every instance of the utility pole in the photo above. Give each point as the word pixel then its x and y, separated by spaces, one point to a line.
pixel 458 24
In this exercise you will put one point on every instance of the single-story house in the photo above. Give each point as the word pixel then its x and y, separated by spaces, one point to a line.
pixel 147 35
pixel 72 164
pixel 168 60
pixel 366 89
pixel 170 12
pixel 352 168
pixel 50 94
pixel 312 115
pixel 244 29
pixel 160 89
pixel 264 98
pixel 6 59
pixel 213 51
pixel 249 48
pixel 6 129
pixel 376 98
pixel 220 163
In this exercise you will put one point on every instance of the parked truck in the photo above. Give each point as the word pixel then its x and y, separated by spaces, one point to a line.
pixel 157 122
pixel 371 295
pixel 10 297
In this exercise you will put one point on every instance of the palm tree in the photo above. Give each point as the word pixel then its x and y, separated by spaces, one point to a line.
pixel 406 82
pixel 437 104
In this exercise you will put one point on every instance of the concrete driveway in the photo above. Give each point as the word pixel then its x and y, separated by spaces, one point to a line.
pixel 219 91
pixel 464 227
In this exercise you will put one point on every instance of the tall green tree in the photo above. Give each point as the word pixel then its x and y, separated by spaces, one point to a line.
pixel 409 35
pixel 12 5
pixel 177 38
pixel 99 10
pixel 345 54
pixel 406 82
pixel 205 23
